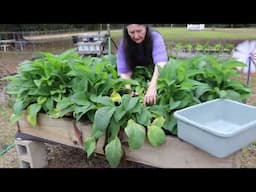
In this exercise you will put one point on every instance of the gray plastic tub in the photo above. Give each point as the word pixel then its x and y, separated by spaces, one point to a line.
pixel 219 127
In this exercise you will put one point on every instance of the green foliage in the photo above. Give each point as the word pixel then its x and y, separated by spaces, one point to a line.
pixel 156 135
pixel 136 134
pixel 102 118
pixel 89 89
pixel 204 47
pixel 114 152
pixel 90 145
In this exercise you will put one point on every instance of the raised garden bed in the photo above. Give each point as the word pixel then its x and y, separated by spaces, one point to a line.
pixel 90 89
pixel 174 153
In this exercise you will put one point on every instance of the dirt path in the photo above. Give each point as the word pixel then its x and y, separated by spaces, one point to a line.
pixel 56 36
pixel 65 35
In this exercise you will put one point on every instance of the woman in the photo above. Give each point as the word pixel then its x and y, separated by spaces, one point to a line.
pixel 141 46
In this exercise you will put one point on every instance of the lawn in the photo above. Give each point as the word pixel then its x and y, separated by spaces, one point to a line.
pixel 209 34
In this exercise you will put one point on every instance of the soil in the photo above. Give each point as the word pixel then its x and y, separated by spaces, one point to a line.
pixel 59 155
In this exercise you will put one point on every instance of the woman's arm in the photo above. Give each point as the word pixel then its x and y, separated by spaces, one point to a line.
pixel 150 96
pixel 156 72
pixel 160 58
pixel 126 76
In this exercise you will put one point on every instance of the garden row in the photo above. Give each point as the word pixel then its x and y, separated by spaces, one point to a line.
pixel 228 47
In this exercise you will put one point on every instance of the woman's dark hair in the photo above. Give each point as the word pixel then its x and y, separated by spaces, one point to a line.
pixel 138 54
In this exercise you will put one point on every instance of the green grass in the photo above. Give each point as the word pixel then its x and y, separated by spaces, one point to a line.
pixel 7 130
pixel 209 34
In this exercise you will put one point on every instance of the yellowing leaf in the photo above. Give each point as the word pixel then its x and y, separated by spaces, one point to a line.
pixel 115 97
pixel 156 135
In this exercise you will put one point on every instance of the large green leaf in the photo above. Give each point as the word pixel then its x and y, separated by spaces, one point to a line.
pixel 102 117
pixel 168 72
pixel 201 89
pixel 18 107
pixel 96 133
pixel 48 105
pixel 64 103
pixel 170 124
pixel 104 100
pixel 114 152
pixel 136 134
pixel 79 111
pixel 80 98
pixel 231 94
pixel 89 145
pixel 79 85
pixel 58 113
pixel 144 117
pixel 156 135
pixel 129 102
pixel 114 128
pixel 158 110
pixel 119 113
pixel 159 121
pixel 174 104
pixel 32 111
pixel 41 100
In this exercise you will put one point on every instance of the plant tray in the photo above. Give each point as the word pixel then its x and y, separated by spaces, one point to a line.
pixel 219 127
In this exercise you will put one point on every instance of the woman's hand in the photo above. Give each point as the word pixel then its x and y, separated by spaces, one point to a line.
pixel 150 96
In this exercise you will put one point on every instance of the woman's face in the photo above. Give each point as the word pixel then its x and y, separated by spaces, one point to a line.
pixel 137 32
